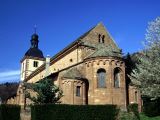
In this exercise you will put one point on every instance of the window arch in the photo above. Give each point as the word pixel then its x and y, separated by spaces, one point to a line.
pixel 136 96
pixel 117 77
pixel 101 78
pixel 101 38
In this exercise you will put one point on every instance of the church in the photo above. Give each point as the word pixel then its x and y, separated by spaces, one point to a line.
pixel 90 70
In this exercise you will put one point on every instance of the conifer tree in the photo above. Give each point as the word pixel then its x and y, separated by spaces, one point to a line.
pixel 45 92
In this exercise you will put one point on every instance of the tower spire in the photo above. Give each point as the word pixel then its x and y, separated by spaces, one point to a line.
pixel 35 28
pixel 34 38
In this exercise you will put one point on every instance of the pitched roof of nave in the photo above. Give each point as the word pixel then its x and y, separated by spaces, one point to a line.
pixel 73 43
pixel 83 41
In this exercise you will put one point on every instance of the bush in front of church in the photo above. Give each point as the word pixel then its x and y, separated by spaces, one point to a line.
pixel 74 112
pixel 9 112
pixel 133 108
pixel 131 113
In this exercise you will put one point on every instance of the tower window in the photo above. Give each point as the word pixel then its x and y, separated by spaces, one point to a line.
pixel 78 89
pixel 35 64
pixel 101 38
pixel 101 78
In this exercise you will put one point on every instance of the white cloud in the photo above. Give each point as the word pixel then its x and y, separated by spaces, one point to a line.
pixel 9 76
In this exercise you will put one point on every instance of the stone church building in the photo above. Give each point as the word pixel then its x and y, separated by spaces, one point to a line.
pixel 90 70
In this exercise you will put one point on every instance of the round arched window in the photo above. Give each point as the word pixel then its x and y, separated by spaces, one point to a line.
pixel 101 78
pixel 117 77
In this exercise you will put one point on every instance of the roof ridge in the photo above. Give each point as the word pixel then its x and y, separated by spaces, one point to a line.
pixel 75 41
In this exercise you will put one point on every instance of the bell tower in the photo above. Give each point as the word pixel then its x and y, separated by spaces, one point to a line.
pixel 32 59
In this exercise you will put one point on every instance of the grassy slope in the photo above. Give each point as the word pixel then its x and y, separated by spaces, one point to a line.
pixel 143 117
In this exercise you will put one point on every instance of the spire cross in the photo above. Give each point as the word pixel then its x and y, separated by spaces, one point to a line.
pixel 35 29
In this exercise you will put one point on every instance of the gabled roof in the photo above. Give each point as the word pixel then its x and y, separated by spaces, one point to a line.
pixel 109 35
pixel 98 29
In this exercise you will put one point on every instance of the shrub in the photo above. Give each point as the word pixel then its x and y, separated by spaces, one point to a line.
pixel 133 108
pixel 46 92
pixel 9 112
pixel 127 116
pixel 74 112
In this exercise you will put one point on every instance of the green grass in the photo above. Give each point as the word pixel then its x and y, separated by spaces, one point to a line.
pixel 143 117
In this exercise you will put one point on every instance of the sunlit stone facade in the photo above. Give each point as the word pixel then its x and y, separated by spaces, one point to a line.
pixel 90 70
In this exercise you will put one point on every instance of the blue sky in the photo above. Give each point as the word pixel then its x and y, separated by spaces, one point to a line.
pixel 59 22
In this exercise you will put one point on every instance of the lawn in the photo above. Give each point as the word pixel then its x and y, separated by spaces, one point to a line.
pixel 143 117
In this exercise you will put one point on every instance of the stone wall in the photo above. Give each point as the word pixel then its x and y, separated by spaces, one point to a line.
pixel 135 96
pixel 69 92
pixel 110 94
pixel 27 67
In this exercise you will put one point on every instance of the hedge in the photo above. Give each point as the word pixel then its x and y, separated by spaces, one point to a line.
pixel 9 112
pixel 74 112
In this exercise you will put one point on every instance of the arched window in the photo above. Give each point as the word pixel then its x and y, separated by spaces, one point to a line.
pixel 136 96
pixel 101 38
pixel 117 78
pixel 78 89
pixel 101 78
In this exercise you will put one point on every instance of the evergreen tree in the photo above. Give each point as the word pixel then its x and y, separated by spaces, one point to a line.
pixel 44 92
pixel 146 75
